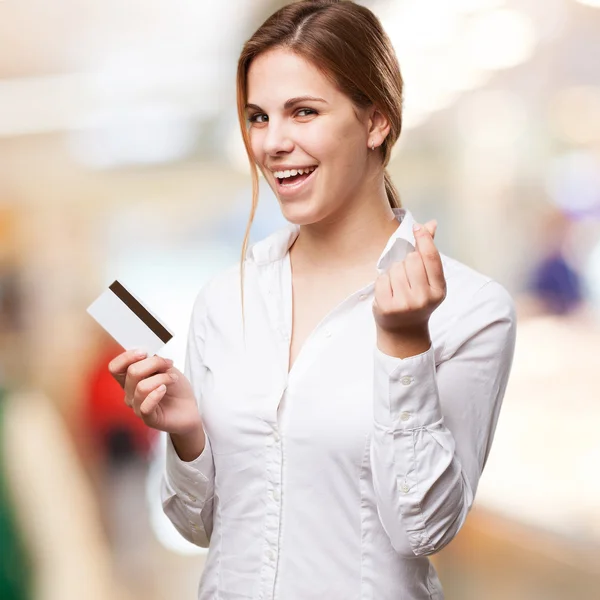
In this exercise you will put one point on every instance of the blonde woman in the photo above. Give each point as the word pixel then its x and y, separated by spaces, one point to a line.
pixel 332 423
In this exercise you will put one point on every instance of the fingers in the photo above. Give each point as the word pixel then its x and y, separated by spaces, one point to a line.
pixel 417 277
pixel 432 227
pixel 118 366
pixel 398 282
pixel 148 392
pixel 142 369
pixel 148 406
pixel 430 256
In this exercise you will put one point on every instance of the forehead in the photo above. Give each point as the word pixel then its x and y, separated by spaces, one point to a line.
pixel 279 74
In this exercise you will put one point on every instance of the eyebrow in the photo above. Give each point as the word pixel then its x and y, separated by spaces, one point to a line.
pixel 291 102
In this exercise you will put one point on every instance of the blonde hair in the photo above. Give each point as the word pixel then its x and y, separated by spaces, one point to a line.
pixel 347 43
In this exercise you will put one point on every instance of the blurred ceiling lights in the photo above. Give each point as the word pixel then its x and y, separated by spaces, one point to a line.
pixel 575 114
pixel 161 68
pixel 446 48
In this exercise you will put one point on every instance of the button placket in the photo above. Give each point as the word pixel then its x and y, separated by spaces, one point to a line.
pixel 273 513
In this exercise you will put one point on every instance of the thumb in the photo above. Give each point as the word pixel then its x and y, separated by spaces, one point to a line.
pixel 431 226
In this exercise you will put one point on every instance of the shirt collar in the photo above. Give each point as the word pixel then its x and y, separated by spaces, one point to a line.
pixel 275 246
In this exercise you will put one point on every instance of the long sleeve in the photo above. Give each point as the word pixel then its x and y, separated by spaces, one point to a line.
pixel 433 426
pixel 187 488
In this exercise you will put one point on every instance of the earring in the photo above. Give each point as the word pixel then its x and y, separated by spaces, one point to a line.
pixel 372 145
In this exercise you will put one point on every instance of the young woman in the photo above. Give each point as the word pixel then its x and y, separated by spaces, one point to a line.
pixel 330 430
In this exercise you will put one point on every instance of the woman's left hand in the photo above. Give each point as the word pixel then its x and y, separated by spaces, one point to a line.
pixel 408 293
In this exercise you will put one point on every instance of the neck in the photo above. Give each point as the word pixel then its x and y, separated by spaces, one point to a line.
pixel 353 240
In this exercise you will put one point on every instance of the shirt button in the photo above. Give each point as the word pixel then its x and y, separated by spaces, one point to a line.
pixel 404 416
pixel 407 380
pixel 192 497
pixel 270 555
pixel 404 487
pixel 276 436
pixel 275 495
pixel 363 296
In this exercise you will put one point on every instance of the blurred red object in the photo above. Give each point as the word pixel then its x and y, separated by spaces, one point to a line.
pixel 116 432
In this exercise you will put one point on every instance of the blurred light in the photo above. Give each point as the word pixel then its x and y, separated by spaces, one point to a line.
pixel 446 48
pixel 78 100
pixel 492 119
pixel 592 275
pixel 593 3
pixel 573 183
pixel 500 39
pixel 477 5
pixel 551 18
pixel 149 134
pixel 40 104
pixel 575 114
pixel 235 149
pixel 420 24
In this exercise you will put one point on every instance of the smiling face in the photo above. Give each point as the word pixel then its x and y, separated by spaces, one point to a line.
pixel 299 119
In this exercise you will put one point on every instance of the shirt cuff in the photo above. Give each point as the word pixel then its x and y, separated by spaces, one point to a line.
pixel 189 478
pixel 405 390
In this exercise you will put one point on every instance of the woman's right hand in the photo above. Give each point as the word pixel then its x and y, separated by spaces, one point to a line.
pixel 157 392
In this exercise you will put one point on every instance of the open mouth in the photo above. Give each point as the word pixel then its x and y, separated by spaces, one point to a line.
pixel 294 181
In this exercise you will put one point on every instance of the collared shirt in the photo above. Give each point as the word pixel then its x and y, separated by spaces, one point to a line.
pixel 338 480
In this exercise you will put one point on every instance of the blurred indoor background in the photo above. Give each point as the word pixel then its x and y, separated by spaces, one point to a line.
pixel 121 158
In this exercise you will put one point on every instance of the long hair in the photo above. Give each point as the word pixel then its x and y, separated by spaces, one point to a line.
pixel 347 43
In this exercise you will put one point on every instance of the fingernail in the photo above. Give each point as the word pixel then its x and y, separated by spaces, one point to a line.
pixel 416 227
pixel 174 376
pixel 140 354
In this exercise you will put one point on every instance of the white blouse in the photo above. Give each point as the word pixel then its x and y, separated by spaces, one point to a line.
pixel 335 481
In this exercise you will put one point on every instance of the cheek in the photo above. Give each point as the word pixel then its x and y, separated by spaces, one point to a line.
pixel 256 144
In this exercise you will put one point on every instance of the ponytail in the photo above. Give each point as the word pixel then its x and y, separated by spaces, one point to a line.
pixel 392 193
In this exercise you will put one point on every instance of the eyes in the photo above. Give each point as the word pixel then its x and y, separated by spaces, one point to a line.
pixel 259 118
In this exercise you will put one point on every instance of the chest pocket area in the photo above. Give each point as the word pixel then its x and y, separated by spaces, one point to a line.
pixel 235 399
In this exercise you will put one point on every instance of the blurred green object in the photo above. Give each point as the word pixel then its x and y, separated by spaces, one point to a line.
pixel 15 567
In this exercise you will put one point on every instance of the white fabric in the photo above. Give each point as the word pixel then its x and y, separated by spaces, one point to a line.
pixel 337 481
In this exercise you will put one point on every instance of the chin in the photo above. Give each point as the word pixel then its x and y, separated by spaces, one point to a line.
pixel 300 213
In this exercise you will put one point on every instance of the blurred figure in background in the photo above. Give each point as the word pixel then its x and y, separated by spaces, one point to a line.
pixel 555 283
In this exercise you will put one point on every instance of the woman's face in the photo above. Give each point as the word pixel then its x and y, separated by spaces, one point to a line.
pixel 323 132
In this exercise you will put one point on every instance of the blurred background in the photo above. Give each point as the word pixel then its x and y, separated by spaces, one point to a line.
pixel 121 158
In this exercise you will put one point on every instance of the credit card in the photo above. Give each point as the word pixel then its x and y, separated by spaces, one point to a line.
pixel 128 321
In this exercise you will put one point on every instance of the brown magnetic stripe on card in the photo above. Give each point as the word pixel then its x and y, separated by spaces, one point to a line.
pixel 137 309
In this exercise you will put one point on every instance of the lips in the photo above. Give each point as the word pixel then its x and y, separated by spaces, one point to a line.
pixel 291 189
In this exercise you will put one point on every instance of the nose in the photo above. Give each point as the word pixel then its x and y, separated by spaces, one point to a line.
pixel 277 139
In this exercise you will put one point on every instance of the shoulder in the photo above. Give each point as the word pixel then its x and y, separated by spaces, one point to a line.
pixel 467 287
pixel 474 301
pixel 218 288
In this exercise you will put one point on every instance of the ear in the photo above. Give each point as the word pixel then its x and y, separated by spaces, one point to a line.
pixel 379 127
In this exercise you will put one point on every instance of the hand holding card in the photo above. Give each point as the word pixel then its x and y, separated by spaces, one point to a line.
pixel 157 392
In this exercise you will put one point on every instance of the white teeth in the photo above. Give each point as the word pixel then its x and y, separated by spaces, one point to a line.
pixel 292 172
